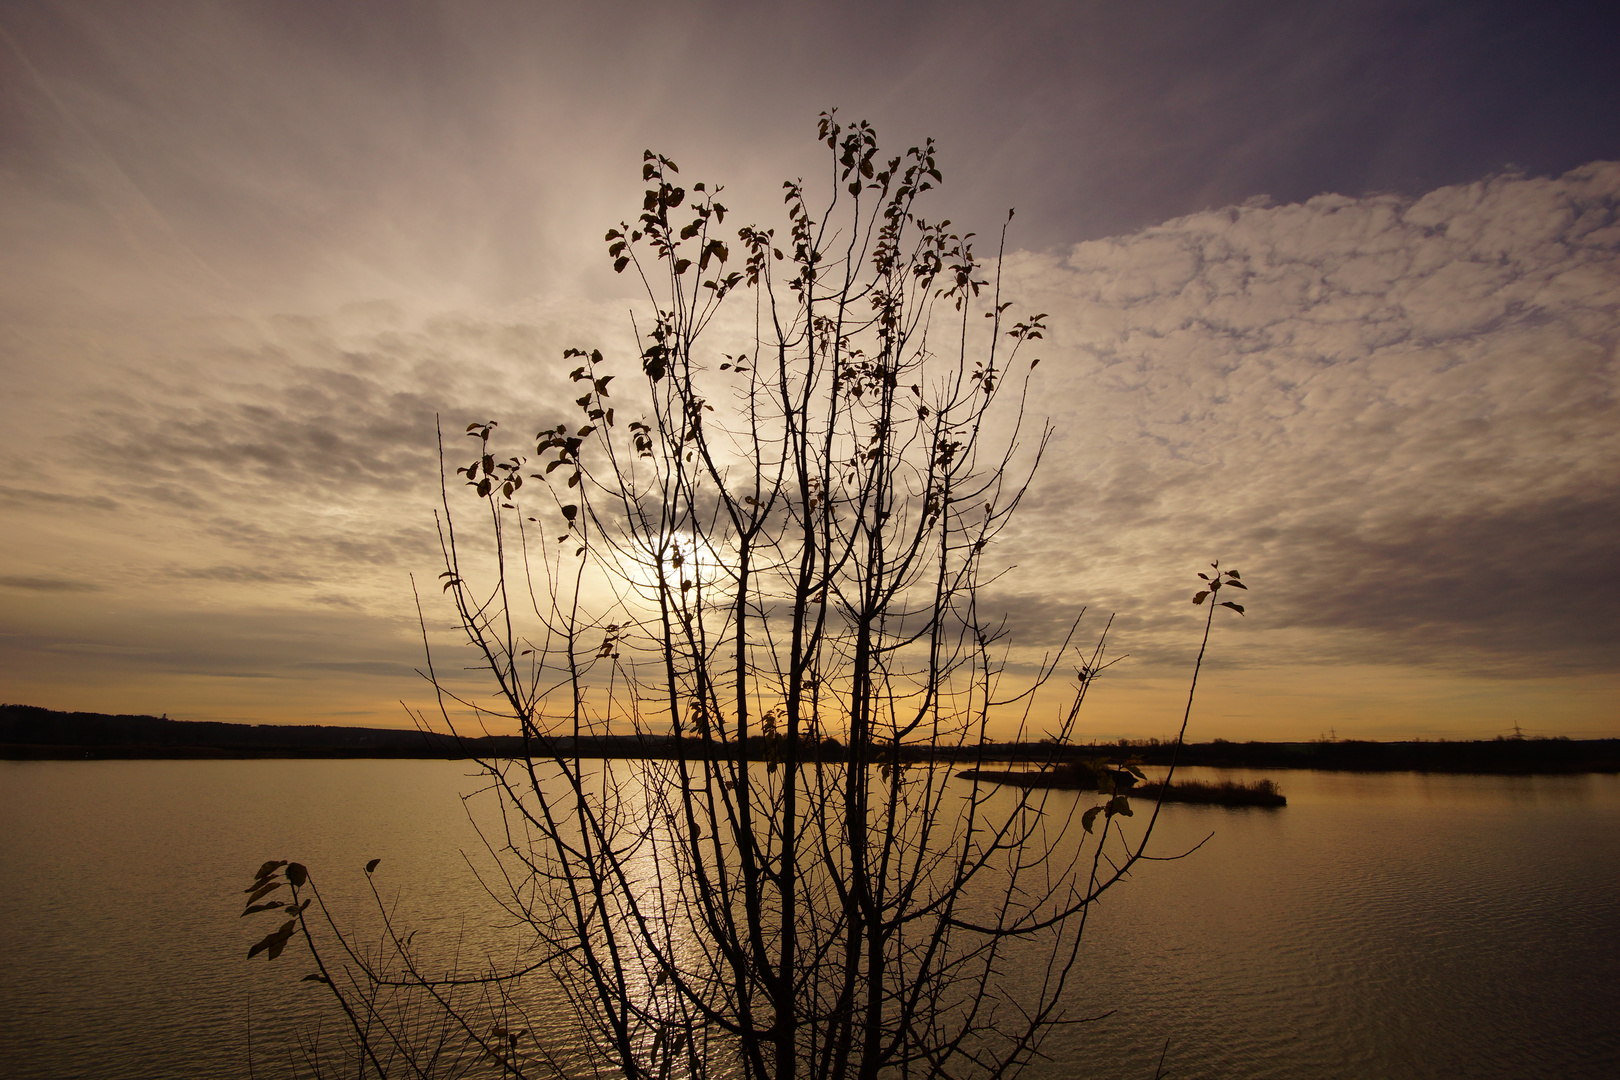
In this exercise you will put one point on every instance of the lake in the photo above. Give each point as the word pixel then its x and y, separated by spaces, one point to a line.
pixel 1381 925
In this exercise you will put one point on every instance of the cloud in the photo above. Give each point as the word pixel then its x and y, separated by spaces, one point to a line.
pixel 28 497
pixel 1527 587
pixel 380 668
pixel 46 584
pixel 244 643
pixel 291 450
pixel 1396 415
pixel 238 574
pixel 250 254
pixel 283 156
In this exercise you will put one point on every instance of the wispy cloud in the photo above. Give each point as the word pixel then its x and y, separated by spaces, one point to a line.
pixel 46 584
pixel 19 497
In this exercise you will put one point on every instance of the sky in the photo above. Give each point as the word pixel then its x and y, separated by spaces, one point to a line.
pixel 1334 296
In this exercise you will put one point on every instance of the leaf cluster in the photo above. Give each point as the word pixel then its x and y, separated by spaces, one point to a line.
pixel 1223 578
pixel 269 878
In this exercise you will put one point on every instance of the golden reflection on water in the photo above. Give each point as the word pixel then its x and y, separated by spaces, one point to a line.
pixel 1381 924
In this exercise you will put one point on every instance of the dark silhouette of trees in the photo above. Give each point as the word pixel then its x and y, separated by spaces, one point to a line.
pixel 770 558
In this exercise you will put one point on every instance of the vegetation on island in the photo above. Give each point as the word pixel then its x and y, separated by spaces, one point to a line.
pixel 1125 777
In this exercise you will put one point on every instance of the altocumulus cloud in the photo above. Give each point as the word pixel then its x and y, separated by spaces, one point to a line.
pixel 1396 414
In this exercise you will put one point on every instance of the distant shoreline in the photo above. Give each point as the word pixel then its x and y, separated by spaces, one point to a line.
pixel 30 733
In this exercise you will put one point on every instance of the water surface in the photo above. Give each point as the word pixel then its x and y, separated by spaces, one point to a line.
pixel 1397 925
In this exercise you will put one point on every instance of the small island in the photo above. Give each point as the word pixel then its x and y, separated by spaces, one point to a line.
pixel 1096 775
